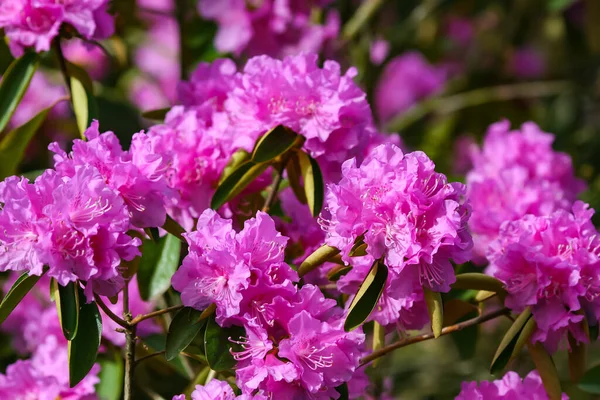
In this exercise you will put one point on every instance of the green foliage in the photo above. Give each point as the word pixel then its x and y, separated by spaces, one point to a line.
pixel 84 103
pixel 275 143
pixel 219 343
pixel 157 265
pixel 515 338
pixel 435 307
pixel 83 349
pixel 111 378
pixel 236 182
pixel 367 296
pixel 19 289
pixel 186 324
pixel 14 85
pixel 590 383
pixel 67 307
pixel 314 187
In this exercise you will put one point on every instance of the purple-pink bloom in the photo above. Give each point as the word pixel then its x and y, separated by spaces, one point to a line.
pixel 405 80
pixel 379 50
pixel 411 217
pixel 510 387
pixel 551 264
pixel 89 56
pixel 29 23
pixel 516 172
pixel 210 83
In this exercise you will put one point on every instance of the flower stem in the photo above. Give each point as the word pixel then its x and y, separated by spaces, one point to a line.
pixel 275 186
pixel 129 346
pixel 109 313
pixel 428 336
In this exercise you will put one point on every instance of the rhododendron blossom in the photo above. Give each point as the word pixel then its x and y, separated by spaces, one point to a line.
pixel 510 387
pixel 516 173
pixel 550 264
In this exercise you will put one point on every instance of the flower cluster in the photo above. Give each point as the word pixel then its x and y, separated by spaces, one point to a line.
pixel 295 344
pixel 408 215
pixel 551 264
pixel 29 23
pixel 75 219
pixel 511 386
pixel 516 173
pixel 405 80
pixel 271 27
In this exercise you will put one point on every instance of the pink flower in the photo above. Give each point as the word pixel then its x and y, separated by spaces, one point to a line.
pixel 405 80
pixel 509 387
pixel 516 173
pixel 411 217
pixel 322 105
pixel 379 50
pixel 89 56
pixel 209 83
pixel 551 264
pixel 273 28
pixel 214 390
pixel 29 23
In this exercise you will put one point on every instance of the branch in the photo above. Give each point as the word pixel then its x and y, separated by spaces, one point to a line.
pixel 275 185
pixel 129 346
pixel 457 102
pixel 427 336
pixel 109 313
pixel 144 317
pixel 139 360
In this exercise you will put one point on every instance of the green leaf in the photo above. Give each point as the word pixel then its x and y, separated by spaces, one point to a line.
pixel 478 281
pixel 293 174
pixel 157 115
pixel 559 5
pixel 512 342
pixel 217 345
pixel 590 383
pixel 84 103
pixel 14 85
pixel 547 370
pixel 313 182
pixel 359 251
pixel 435 307
pixel 111 379
pixel 14 143
pixel 157 265
pixel 67 306
pixel 153 233
pixel 183 329
pixel 316 259
pixel 335 273
pixel 16 293
pixel 236 182
pixel 237 159
pixel 465 340
pixel 367 296
pixel 84 348
pixel 343 391
pixel 274 143
pixel 577 359
pixel 378 340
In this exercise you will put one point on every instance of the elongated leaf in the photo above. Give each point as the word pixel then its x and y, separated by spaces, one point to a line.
pixel 14 144
pixel 359 251
pixel 316 259
pixel 378 340
pixel 83 349
pixel 590 383
pixel 435 307
pixel 338 271
pixel 547 370
pixel 367 296
pixel 174 228
pixel 67 306
pixel 16 293
pixel 313 182
pixel 577 359
pixel 157 265
pixel 84 103
pixel 237 159
pixel 236 182
pixel 157 115
pixel 111 379
pixel 477 281
pixel 516 334
pixel 14 85
pixel 293 173
pixel 274 143
pixel 219 343
pixel 183 329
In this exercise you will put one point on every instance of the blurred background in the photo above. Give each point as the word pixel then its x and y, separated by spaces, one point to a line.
pixel 437 73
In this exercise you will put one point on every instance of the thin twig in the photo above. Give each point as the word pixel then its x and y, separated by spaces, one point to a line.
pixel 139 360
pixel 109 313
pixel 275 185
pixel 144 317
pixel 428 336
pixel 62 61
pixel 129 346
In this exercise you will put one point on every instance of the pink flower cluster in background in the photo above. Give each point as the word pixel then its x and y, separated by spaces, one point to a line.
pixel 295 344
pixel 510 387
pixel 35 24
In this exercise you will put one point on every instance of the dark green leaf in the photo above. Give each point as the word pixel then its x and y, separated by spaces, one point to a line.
pixel 217 345
pixel 84 102
pixel 313 182
pixel 367 296
pixel 14 85
pixel 293 174
pixel 590 383
pixel 153 234
pixel 67 306
pixel 111 378
pixel 183 329
pixel 343 391
pixel 236 182
pixel 338 271
pixel 316 259
pixel 514 339
pixel 237 159
pixel 16 293
pixel 84 348
pixel 157 265
pixel 157 115
pixel 15 142
pixel 274 143
pixel 435 307
pixel 478 281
